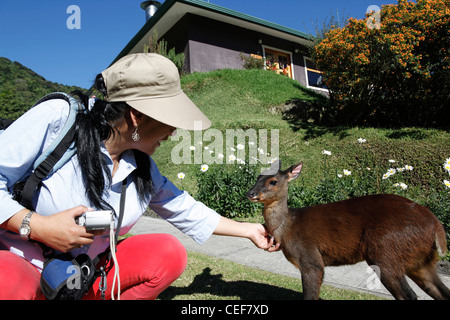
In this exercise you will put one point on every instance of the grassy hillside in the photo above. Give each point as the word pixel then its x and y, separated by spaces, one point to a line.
pixel 243 99
pixel 21 87
pixel 262 100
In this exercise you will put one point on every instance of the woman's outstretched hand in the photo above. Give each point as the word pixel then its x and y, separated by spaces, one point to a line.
pixel 256 232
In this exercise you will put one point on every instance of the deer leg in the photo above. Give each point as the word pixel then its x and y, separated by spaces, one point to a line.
pixel 428 280
pixel 397 285
pixel 312 277
pixel 392 277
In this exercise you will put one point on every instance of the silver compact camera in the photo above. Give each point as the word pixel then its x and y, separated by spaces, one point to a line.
pixel 95 220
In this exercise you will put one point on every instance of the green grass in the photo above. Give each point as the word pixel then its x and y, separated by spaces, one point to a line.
pixel 243 97
pixel 236 99
pixel 209 278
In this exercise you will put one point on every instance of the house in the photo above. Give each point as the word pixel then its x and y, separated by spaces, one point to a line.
pixel 214 37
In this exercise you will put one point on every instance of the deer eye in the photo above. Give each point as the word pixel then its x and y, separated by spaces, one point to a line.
pixel 273 182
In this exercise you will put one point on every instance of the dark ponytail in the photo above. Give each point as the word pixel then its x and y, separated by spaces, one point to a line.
pixel 93 127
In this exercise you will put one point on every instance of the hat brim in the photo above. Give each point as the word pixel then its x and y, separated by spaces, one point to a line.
pixel 177 111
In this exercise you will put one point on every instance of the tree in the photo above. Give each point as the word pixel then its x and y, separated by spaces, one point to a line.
pixel 21 87
pixel 394 74
pixel 161 48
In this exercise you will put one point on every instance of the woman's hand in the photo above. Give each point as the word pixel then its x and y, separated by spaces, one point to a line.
pixel 59 231
pixel 256 232
pixel 261 238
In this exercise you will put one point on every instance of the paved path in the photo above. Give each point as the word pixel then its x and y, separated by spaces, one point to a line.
pixel 354 277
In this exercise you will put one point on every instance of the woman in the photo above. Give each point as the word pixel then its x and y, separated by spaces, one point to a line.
pixel 143 106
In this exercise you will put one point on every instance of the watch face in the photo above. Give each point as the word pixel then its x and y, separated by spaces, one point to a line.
pixel 24 231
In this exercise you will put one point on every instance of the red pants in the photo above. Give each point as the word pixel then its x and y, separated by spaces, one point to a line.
pixel 148 264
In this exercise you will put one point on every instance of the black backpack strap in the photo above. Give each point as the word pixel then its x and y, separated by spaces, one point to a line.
pixel 5 123
pixel 122 208
pixel 44 168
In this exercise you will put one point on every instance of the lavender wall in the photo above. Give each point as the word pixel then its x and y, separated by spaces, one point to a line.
pixel 211 45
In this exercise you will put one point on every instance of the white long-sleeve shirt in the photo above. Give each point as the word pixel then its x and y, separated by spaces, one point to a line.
pixel 25 140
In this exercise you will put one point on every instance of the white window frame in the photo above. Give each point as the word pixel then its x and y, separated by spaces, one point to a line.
pixel 306 76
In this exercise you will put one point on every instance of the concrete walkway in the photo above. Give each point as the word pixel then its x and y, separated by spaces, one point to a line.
pixel 359 277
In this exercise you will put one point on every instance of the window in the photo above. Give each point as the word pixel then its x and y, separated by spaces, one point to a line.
pixel 314 77
pixel 279 62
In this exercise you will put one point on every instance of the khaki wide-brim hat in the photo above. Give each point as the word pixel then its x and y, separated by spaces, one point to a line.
pixel 150 83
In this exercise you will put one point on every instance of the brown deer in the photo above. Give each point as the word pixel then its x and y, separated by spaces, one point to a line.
pixel 397 235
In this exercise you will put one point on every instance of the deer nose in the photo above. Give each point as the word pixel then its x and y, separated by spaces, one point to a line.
pixel 251 194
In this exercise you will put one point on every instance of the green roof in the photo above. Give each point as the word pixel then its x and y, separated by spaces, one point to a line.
pixel 165 7
pixel 245 17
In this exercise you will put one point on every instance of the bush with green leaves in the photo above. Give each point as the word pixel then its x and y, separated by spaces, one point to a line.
pixel 223 187
pixel 160 47
pixel 251 61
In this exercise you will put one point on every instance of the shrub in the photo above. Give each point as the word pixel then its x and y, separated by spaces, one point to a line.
pixel 224 187
pixel 393 75
pixel 160 47
pixel 252 61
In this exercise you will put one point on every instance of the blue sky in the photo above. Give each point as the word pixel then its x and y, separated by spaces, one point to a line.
pixel 34 32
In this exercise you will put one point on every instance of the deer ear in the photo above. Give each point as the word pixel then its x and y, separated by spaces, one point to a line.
pixel 294 171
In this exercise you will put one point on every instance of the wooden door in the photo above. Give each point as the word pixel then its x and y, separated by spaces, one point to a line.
pixel 279 62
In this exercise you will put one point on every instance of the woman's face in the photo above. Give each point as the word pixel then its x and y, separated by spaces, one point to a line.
pixel 152 133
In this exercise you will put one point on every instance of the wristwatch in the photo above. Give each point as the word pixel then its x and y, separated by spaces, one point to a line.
pixel 24 229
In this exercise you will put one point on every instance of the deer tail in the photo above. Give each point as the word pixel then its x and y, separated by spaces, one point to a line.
pixel 440 241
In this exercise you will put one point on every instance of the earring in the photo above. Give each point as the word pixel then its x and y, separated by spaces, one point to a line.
pixel 135 135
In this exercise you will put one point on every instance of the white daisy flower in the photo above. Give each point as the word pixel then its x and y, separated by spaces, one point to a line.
pixel 401 185
pixel 181 175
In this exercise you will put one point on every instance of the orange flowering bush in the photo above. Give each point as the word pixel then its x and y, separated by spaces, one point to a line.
pixel 396 73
